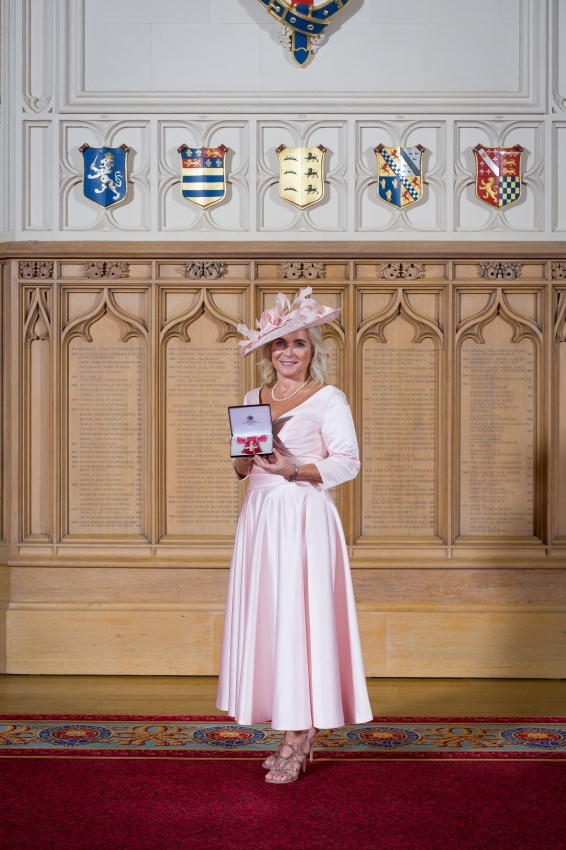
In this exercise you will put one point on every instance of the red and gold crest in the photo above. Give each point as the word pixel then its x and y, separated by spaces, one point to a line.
pixel 498 175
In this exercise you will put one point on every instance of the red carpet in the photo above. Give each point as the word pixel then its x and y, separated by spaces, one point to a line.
pixel 176 804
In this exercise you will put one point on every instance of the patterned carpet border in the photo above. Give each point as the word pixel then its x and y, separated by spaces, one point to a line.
pixel 158 736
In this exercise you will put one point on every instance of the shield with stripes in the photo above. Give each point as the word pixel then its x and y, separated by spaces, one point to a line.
pixel 204 174
pixel 399 175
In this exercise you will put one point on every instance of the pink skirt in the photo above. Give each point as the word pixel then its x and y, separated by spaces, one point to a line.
pixel 291 649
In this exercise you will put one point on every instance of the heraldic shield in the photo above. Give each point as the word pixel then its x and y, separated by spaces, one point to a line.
pixel 204 175
pixel 301 175
pixel 498 175
pixel 303 24
pixel 105 174
pixel 399 175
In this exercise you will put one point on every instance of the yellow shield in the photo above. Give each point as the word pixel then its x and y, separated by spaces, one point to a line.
pixel 301 175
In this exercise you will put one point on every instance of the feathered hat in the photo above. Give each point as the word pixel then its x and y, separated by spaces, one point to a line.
pixel 286 318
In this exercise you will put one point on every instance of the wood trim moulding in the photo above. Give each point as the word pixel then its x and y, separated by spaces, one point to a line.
pixel 214 607
pixel 336 249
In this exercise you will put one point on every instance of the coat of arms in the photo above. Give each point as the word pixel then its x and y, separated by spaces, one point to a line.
pixel 399 175
pixel 204 174
pixel 105 174
pixel 303 25
pixel 498 175
pixel 301 175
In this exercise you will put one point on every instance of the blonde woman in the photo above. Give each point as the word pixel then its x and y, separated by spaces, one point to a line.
pixel 291 649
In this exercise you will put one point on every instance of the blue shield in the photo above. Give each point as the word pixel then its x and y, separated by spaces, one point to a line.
pixel 105 174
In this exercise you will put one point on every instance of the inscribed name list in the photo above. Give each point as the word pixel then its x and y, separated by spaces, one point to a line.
pixel 497 446
pixel 399 439
pixel 105 438
pixel 203 379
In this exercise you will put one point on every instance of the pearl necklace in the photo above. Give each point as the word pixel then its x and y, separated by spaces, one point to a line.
pixel 298 390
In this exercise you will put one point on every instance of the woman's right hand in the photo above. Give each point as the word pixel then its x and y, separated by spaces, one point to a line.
pixel 243 466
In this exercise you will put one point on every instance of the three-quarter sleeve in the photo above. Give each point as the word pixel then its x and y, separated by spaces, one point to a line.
pixel 339 436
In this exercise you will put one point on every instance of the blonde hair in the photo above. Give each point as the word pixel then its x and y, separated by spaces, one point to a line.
pixel 318 367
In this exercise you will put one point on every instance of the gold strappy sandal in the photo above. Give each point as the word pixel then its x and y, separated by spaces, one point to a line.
pixel 271 761
pixel 290 766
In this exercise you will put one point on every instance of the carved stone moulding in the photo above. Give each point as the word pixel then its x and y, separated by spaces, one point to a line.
pixel 205 268
pixel 508 271
pixel 559 271
pixel 36 268
pixel 408 271
pixel 102 268
pixel 310 271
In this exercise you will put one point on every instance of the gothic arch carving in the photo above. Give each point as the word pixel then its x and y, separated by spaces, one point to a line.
pixel 37 324
pixel 498 305
pixel 559 322
pixel 106 303
pixel 178 326
pixel 400 305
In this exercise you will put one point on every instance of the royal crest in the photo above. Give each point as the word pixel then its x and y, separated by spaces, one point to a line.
pixel 399 175
pixel 204 174
pixel 498 175
pixel 105 174
pixel 301 175
pixel 303 25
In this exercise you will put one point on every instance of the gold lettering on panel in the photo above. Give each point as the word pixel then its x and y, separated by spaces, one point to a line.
pixel 106 432
pixel 203 379
pixel 399 392
pixel 497 434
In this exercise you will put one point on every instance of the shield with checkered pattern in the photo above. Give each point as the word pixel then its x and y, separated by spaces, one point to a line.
pixel 399 175
pixel 498 175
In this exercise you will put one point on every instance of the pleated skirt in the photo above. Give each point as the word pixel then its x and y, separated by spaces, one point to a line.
pixel 291 650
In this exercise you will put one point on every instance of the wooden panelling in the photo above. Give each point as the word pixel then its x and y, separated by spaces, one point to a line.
pixel 120 502
pixel 118 585
pixel 500 644
pixel 88 641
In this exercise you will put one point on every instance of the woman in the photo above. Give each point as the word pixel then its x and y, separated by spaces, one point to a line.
pixel 291 649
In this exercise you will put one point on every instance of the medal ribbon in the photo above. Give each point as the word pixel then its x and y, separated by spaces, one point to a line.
pixel 248 448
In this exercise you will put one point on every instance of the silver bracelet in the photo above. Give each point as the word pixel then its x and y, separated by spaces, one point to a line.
pixel 293 477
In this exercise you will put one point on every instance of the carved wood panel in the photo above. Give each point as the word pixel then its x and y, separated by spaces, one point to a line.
pixel 122 386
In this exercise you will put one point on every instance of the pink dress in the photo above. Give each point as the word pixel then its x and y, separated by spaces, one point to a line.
pixel 291 648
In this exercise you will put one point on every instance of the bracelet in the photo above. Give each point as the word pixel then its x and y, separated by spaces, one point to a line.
pixel 293 477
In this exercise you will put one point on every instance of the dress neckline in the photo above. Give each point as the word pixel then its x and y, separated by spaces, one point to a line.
pixel 297 405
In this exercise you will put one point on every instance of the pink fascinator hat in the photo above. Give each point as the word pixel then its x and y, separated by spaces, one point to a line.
pixel 286 318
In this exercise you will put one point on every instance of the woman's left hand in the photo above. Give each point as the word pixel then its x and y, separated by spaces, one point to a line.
pixel 275 464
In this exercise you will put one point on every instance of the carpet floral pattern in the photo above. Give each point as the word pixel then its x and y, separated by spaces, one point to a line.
pixel 219 737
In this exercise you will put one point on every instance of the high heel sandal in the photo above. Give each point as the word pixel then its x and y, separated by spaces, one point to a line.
pixel 290 766
pixel 271 761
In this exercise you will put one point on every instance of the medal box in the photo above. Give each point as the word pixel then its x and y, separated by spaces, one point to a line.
pixel 252 430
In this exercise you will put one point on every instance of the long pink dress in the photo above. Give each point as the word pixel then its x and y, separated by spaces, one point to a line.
pixel 291 647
